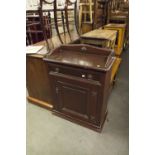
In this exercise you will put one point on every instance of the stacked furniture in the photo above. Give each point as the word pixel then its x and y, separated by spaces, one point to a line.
pixel 118 13
pixel 51 22
pixel 100 37
pixel 120 44
pixel 34 31
pixel 86 13
pixel 103 38
pixel 73 75
pixel 120 28
pixel 59 32
pixel 92 14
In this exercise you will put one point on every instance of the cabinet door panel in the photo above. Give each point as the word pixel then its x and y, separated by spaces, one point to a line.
pixel 73 99
pixel 76 98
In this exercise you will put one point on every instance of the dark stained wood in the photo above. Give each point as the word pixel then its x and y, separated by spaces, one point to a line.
pixel 34 29
pixel 37 81
pixel 67 4
pixel 75 15
pixel 100 13
pixel 57 20
pixel 80 83
pixel 120 15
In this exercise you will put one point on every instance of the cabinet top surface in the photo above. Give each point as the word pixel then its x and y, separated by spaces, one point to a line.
pixel 113 25
pixel 100 34
pixel 118 17
pixel 40 54
pixel 83 56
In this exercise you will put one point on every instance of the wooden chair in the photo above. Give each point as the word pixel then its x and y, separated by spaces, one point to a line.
pixel 86 13
pixel 92 14
pixel 34 32
pixel 61 20
pixel 71 19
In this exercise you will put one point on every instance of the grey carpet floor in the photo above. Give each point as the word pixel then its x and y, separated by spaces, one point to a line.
pixel 50 135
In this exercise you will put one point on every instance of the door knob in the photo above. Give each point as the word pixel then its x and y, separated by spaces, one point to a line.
pixel 83 75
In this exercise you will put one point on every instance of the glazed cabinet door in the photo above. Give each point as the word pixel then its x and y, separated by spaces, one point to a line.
pixel 76 97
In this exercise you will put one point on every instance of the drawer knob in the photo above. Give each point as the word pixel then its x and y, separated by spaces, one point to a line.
pixel 83 75
pixel 57 70
pixel 83 48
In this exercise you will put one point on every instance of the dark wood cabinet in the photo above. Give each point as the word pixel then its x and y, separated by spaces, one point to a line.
pixel 76 96
pixel 80 83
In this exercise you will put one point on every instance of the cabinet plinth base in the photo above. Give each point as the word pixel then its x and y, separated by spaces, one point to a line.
pixel 40 103
pixel 81 122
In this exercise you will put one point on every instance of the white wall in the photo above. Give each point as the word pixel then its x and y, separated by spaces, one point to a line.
pixel 33 4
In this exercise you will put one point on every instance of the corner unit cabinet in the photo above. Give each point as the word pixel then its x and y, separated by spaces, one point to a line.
pixel 80 83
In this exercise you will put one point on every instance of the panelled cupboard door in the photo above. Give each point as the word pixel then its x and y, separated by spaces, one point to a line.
pixel 77 97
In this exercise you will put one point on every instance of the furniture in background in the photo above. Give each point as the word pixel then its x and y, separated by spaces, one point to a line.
pixel 120 28
pixel 118 13
pixel 86 12
pixel 61 18
pixel 119 45
pixel 92 14
pixel 100 37
pixel 80 83
pixel 100 13
pixel 34 32
pixel 50 20
pixel 103 38
pixel 42 22
pixel 37 74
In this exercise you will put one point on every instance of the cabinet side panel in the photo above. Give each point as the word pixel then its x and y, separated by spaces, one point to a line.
pixel 37 79
pixel 106 93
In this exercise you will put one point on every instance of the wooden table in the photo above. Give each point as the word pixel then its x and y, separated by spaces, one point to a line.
pixel 120 28
pixel 100 37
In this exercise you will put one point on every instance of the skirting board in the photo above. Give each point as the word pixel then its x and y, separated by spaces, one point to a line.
pixel 40 103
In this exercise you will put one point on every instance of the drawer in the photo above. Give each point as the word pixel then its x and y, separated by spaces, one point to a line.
pixel 76 72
